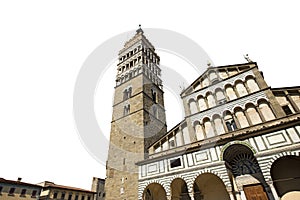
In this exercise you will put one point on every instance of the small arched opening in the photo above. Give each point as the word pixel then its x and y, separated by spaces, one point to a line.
pixel 245 173
pixel 179 190
pixel 208 186
pixel 285 173
pixel 154 191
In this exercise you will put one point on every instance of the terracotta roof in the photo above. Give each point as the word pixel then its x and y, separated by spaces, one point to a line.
pixel 2 180
pixel 53 185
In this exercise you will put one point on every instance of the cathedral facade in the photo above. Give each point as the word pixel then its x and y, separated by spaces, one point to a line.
pixel 239 139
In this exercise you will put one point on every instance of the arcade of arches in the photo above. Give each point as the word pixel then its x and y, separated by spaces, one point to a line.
pixel 246 178
pixel 205 186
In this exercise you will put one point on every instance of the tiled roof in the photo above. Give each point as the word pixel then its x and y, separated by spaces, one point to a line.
pixel 2 180
pixel 53 185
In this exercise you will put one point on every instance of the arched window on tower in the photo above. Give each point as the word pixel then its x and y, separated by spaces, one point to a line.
pixel 127 93
pixel 154 95
pixel 126 109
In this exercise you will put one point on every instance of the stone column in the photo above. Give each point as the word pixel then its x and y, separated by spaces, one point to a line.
pixel 169 197
pixel 261 115
pixel 231 196
pixel 294 105
pixel 273 190
pixel 191 194
pixel 243 196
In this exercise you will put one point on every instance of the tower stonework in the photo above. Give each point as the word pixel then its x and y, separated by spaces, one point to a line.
pixel 138 117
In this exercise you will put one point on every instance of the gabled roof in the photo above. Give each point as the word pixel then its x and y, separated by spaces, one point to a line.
pixel 242 67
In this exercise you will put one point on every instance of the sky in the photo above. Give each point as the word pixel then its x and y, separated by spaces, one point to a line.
pixel 43 45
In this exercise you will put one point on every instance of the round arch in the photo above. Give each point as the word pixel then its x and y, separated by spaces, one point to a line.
pixel 274 158
pixel 179 189
pixel 286 180
pixel 154 191
pixel 244 170
pixel 226 146
pixel 210 186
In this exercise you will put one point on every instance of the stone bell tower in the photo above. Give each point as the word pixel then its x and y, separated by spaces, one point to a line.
pixel 138 116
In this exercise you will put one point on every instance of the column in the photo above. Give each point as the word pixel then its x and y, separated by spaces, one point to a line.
pixel 191 194
pixel 236 189
pixel 294 105
pixel 273 190
pixel 169 197
pixel 247 117
pixel 243 196
pixel 260 114
pixel 231 196
pixel 237 123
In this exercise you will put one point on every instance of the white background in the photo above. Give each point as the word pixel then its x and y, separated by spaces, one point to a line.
pixel 44 43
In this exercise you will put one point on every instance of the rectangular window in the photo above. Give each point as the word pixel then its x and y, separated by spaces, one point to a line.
pixel 175 162
pixel 1 189
pixel 55 195
pixel 82 197
pixel 11 191
pixel 89 198
pixel 62 196
pixel 76 197
pixel 70 197
pixel 23 193
pixel 287 110
pixel 33 194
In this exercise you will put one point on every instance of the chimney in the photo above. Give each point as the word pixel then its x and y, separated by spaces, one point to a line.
pixel 19 179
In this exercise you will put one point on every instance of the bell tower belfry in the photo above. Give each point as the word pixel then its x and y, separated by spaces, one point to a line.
pixel 138 117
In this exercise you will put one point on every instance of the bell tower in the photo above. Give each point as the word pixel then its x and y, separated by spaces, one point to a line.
pixel 138 117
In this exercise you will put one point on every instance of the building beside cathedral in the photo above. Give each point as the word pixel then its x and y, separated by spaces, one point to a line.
pixel 239 139
pixel 17 190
